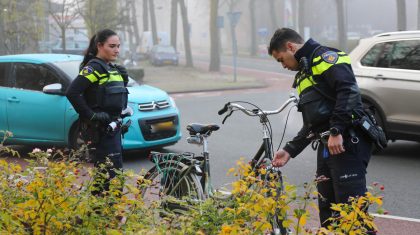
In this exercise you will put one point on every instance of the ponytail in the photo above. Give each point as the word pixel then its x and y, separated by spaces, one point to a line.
pixel 91 52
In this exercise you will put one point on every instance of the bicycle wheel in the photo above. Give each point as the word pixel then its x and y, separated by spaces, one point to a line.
pixel 169 179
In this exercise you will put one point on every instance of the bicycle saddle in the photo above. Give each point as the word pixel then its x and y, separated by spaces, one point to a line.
pixel 195 128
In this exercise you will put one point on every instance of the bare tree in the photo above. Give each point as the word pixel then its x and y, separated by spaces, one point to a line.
pixel 341 25
pixel 145 15
pixel 186 30
pixel 253 22
pixel 418 14
pixel 273 14
pixel 153 21
pixel 301 15
pixel 95 19
pixel 401 15
pixel 134 22
pixel 174 22
pixel 22 25
pixel 64 13
pixel 214 37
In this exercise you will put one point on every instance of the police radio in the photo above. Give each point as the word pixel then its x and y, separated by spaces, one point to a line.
pixel 118 123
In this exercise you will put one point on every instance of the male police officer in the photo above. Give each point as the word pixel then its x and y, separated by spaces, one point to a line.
pixel 328 97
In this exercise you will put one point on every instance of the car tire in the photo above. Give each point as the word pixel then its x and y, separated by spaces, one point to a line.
pixel 379 120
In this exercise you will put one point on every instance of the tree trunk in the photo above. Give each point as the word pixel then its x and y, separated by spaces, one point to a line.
pixel 214 37
pixel 253 45
pixel 127 27
pixel 273 14
pixel 342 25
pixel 401 16
pixel 186 29
pixel 135 23
pixel 153 21
pixel 63 38
pixel 145 15
pixel 174 22
pixel 418 14
pixel 301 17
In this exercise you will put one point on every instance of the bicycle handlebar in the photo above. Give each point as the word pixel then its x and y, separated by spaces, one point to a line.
pixel 256 112
pixel 224 109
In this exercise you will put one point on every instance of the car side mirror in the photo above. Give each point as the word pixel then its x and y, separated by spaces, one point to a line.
pixel 53 89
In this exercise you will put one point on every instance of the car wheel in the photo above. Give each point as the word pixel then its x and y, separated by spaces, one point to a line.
pixel 80 151
pixel 379 120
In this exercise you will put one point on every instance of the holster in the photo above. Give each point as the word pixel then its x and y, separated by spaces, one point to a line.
pixel 367 123
pixel 90 131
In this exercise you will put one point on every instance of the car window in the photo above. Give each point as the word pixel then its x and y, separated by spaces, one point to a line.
pixel 165 50
pixel 33 76
pixel 384 56
pixel 3 74
pixel 406 55
pixel 371 57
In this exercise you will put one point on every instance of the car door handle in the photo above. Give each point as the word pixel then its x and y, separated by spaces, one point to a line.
pixel 13 99
pixel 379 77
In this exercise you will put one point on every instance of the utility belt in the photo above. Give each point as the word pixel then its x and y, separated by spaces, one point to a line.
pixel 323 136
pixel 366 123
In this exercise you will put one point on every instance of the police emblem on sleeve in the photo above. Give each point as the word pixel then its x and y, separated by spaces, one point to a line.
pixel 87 70
pixel 330 57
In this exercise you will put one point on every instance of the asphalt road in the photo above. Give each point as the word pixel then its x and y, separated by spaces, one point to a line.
pixel 396 167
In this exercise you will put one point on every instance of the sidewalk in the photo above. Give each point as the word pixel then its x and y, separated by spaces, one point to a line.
pixel 178 79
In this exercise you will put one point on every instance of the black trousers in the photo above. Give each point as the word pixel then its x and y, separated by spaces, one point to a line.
pixel 107 159
pixel 346 173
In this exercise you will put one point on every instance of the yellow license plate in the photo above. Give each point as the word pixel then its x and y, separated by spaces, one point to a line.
pixel 163 126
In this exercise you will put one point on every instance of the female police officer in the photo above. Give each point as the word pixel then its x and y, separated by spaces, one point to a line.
pixel 99 94
pixel 329 96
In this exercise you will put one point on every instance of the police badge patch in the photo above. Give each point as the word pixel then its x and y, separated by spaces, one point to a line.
pixel 330 57
pixel 87 70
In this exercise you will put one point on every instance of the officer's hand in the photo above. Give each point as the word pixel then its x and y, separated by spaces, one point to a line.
pixel 335 144
pixel 281 157
pixel 102 117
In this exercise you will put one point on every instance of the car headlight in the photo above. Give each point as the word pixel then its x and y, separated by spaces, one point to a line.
pixel 172 101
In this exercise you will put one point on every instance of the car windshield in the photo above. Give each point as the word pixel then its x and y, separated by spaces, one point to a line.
pixel 71 68
pixel 166 50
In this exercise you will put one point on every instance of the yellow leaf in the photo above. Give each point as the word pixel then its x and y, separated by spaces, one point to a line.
pixel 286 223
pixel 378 201
pixel 302 220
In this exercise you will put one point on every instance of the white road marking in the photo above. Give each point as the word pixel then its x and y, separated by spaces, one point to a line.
pixel 397 218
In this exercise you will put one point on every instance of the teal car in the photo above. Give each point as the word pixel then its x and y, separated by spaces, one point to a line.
pixel 34 108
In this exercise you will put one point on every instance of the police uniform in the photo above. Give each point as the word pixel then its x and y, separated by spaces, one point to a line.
pixel 100 87
pixel 326 81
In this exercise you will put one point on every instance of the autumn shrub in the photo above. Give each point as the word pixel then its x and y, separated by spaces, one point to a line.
pixel 52 195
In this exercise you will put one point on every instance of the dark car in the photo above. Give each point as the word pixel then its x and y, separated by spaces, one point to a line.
pixel 163 55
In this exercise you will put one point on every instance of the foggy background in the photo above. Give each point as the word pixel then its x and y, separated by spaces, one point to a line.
pixel 196 26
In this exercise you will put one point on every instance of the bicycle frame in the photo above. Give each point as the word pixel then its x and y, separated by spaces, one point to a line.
pixel 265 148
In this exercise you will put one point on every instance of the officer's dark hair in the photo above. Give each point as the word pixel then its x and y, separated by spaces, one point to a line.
pixel 280 37
pixel 100 37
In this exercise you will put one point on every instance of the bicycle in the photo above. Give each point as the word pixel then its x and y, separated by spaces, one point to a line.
pixel 186 177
